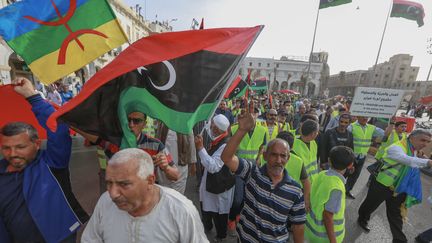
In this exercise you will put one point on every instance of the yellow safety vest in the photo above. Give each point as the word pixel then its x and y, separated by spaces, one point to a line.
pixel 284 127
pixel 391 169
pixel 249 146
pixel 294 167
pixel 150 128
pixel 393 138
pixel 335 113
pixel 362 138
pixel 101 157
pixel 308 156
pixel 315 230
pixel 274 133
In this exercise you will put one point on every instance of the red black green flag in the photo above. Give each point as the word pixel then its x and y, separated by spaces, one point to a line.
pixel 259 84
pixel 332 3
pixel 176 77
pixel 408 10
pixel 237 89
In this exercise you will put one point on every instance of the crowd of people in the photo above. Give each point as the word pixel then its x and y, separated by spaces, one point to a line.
pixel 269 169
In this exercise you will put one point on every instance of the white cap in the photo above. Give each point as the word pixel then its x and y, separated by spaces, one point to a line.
pixel 221 122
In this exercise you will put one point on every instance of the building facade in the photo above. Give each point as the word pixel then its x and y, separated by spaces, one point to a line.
pixel 397 73
pixel 132 22
pixel 287 73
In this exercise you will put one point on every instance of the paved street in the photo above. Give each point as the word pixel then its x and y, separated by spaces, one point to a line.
pixel 84 171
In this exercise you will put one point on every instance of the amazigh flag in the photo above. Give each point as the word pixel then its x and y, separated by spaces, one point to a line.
pixel 236 89
pixel 176 77
pixel 57 37
pixel 408 10
pixel 332 3
pixel 259 84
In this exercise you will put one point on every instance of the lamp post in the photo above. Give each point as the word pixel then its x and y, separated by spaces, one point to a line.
pixel 429 51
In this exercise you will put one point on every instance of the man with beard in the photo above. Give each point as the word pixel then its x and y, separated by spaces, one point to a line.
pixel 36 201
pixel 217 184
pixel 269 185
pixel 270 124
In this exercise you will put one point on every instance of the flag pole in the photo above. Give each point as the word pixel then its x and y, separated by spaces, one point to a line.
pixel 383 34
pixel 310 55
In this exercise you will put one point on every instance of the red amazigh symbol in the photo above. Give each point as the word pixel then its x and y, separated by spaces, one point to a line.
pixel 72 35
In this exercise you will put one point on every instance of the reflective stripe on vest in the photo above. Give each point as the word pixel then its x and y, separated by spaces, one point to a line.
pixel 362 139
pixel 249 146
pixel 321 190
pixel 308 156
pixel 388 176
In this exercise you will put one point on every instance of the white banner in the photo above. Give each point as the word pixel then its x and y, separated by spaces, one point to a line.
pixel 376 102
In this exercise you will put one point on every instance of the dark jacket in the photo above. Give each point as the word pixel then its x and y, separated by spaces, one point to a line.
pixel 46 186
pixel 333 138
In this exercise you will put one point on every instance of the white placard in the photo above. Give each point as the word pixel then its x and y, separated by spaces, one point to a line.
pixel 376 102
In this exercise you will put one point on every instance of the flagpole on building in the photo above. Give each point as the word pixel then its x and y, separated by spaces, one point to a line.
pixel 310 55
pixel 383 34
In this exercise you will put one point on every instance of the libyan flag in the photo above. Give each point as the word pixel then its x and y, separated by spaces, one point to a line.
pixel 176 77
pixel 332 3
pixel 237 89
pixel 259 84
pixel 408 10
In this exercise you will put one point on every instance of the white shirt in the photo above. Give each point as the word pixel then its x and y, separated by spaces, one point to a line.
pixel 171 146
pixel 397 154
pixel 173 219
pixel 218 203
pixel 54 97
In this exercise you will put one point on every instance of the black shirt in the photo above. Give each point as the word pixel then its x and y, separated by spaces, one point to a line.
pixel 334 138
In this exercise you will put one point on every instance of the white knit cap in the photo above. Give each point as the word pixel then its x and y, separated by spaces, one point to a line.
pixel 221 122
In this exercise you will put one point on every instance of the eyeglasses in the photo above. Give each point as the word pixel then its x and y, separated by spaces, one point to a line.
pixel 135 121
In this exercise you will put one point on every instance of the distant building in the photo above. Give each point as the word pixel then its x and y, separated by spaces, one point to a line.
pixel 397 73
pixel 287 73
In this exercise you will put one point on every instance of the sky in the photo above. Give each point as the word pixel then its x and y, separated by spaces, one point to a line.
pixel 350 33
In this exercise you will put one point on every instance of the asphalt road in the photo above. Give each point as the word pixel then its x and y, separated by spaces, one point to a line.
pixel 84 172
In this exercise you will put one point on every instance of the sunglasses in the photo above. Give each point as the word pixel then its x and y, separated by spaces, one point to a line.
pixel 135 121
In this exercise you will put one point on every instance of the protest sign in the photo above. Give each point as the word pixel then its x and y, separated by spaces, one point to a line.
pixel 376 102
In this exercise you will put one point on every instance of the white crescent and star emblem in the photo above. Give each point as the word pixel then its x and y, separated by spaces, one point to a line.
pixel 253 83
pixel 412 10
pixel 236 90
pixel 172 77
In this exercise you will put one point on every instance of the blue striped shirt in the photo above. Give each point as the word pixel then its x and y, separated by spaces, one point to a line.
pixel 268 208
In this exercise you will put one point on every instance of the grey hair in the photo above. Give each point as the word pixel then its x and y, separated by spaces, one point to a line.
pixel 15 128
pixel 134 155
pixel 420 131
pixel 277 140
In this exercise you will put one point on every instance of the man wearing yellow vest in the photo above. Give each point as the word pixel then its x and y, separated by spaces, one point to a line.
pixel 283 124
pixel 395 158
pixel 270 124
pixel 394 133
pixel 362 134
pixel 296 169
pixel 306 148
pixel 248 149
pixel 326 220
